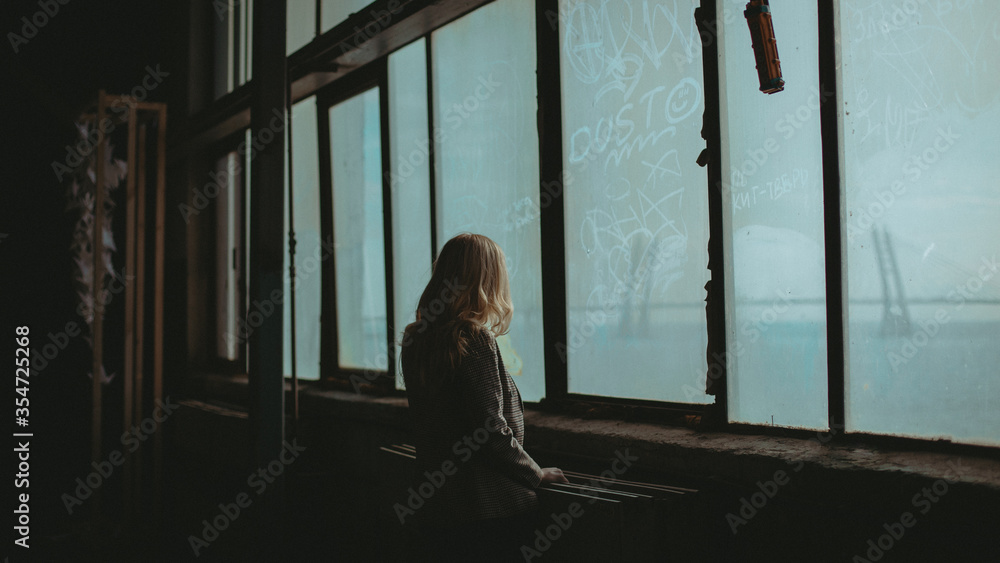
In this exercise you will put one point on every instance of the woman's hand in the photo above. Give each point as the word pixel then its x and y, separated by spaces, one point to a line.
pixel 553 475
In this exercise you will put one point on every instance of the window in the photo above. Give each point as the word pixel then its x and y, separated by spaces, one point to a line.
pixel 636 207
pixel 229 260
pixel 302 16
pixel 441 137
pixel 773 196
pixel 233 33
pixel 486 164
pixel 921 138
pixel 336 11
pixel 306 281
pixel 245 154
pixel 301 24
pixel 359 256
pixel 409 182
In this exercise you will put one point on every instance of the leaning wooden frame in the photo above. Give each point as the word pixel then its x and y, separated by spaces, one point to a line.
pixel 140 118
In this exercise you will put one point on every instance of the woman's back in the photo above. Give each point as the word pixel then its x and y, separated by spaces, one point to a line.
pixel 474 488
pixel 468 428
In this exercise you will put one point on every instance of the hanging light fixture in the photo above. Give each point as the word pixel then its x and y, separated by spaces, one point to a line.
pixel 765 46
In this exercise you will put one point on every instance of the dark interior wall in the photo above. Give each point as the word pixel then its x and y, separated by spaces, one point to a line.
pixel 68 53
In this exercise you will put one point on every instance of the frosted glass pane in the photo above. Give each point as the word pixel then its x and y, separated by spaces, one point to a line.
pixel 232 42
pixel 336 11
pixel 487 160
pixel 301 24
pixel 921 134
pixel 247 175
pixel 228 280
pixel 355 141
pixel 773 217
pixel 636 201
pixel 410 183
pixel 244 15
pixel 223 30
pixel 309 252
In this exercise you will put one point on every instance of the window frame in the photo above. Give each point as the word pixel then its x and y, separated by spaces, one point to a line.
pixel 552 217
pixel 230 143
pixel 237 19
pixel 374 74
pixel 341 84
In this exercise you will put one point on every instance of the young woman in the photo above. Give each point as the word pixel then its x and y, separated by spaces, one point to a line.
pixel 477 482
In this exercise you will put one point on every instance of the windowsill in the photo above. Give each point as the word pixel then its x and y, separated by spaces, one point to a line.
pixel 742 457
pixel 670 449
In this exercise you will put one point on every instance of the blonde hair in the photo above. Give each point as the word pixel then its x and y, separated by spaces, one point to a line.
pixel 468 294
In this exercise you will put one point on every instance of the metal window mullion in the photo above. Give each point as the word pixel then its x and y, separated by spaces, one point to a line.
pixel 551 216
pixel 715 303
pixel 329 350
pixel 387 232
pixel 833 206
pixel 432 145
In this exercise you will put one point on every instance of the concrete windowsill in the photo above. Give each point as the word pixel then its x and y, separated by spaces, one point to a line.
pixel 739 458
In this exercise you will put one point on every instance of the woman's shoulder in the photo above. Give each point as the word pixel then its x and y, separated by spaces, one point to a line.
pixel 478 344
pixel 479 337
pixel 480 358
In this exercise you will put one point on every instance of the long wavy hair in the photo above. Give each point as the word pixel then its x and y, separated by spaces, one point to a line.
pixel 468 293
